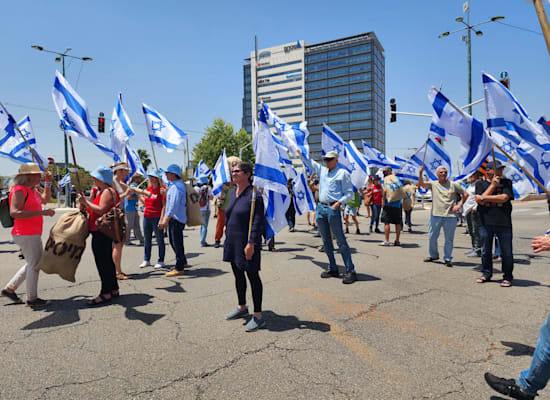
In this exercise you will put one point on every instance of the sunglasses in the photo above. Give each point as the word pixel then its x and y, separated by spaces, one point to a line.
pixel 235 171
pixel 328 159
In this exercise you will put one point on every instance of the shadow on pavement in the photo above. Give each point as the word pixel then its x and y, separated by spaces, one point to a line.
pixel 465 264
pixel 522 261
pixel 360 276
pixel 518 349
pixel 192 255
pixel 200 272
pixel 9 251
pixel 65 312
pixel 301 257
pixel 288 249
pixel 497 398
pixel 525 283
pixel 175 288
pixel 144 275
pixel 409 245
pixel 281 323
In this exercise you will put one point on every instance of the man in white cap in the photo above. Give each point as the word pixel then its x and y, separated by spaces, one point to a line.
pixel 335 190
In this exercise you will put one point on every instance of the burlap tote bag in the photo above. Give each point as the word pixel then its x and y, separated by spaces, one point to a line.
pixel 65 245
pixel 394 189
pixel 194 215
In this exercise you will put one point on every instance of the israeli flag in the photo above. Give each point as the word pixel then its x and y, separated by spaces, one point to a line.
pixel 435 156
pixel 220 174
pixel 202 169
pixel 162 132
pixel 508 121
pixel 378 159
pixel 9 143
pixel 475 143
pixel 545 125
pixel 26 129
pixel 357 164
pixel 269 175
pixel 121 130
pixel 331 141
pixel 303 198
pixel 521 184
pixel 400 161
pixel 134 162
pixel 65 180
pixel 284 159
pixel 73 113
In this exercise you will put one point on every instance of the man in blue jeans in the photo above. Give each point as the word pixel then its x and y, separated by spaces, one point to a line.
pixel 175 217
pixel 536 377
pixel 335 190
pixel 494 198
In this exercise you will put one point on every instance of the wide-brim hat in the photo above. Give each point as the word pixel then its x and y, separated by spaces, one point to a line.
pixel 103 174
pixel 154 174
pixel 174 169
pixel 330 154
pixel 29 168
pixel 119 166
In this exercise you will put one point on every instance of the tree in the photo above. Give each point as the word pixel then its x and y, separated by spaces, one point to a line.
pixel 86 179
pixel 220 135
pixel 144 157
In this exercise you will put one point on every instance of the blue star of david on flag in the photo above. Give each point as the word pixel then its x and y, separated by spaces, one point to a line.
pixel 381 156
pixel 352 166
pixel 516 178
pixel 546 164
pixel 156 126
pixel 411 169
pixel 435 163
pixel 301 195
pixel 507 147
pixel 337 148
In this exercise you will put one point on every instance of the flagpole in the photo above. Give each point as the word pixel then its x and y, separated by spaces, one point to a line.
pixel 75 165
pixel 523 169
pixel 252 207
pixel 154 156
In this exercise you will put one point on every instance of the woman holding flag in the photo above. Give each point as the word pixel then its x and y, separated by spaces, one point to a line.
pixel 245 224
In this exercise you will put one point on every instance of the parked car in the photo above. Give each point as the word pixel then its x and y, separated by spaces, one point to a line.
pixel 427 195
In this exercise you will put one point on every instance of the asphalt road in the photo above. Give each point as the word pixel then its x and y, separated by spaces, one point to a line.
pixel 406 330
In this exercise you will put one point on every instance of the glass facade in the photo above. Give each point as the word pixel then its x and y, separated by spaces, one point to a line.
pixel 343 86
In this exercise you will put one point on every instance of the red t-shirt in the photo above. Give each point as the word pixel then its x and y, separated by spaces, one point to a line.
pixel 33 202
pixel 93 215
pixel 153 204
pixel 376 194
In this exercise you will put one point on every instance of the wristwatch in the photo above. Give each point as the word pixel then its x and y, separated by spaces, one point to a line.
pixel 481 197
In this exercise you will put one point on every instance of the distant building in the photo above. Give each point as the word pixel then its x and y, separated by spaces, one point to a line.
pixel 340 82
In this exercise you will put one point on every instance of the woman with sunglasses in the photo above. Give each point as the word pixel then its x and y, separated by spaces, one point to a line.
pixel 242 248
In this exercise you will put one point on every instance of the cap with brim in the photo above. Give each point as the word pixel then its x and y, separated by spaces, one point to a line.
pixel 121 166
pixel 154 173
pixel 29 168
pixel 103 174
pixel 490 164
pixel 174 169
pixel 330 154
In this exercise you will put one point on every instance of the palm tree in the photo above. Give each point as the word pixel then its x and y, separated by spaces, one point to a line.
pixel 144 157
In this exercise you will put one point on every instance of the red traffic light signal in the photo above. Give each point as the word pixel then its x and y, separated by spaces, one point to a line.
pixel 101 123
pixel 51 161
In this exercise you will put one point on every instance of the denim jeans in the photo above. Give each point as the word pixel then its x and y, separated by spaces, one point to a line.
pixel 375 215
pixel 150 225
pixel 504 234
pixel 472 219
pixel 449 227
pixel 536 377
pixel 175 234
pixel 330 220
pixel 408 218
pixel 204 228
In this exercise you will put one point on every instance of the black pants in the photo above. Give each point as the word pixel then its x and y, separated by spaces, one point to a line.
pixel 255 283
pixel 102 247
pixel 175 235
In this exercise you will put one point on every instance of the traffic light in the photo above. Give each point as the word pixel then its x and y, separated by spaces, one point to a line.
pixel 393 110
pixel 505 79
pixel 101 123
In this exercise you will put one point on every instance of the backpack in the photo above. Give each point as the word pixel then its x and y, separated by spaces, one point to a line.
pixel 5 216
pixel 203 196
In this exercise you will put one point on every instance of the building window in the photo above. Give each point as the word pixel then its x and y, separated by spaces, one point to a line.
pixel 316 57
pixel 279 65
pixel 316 85
pixel 360 87
pixel 338 118
pixel 291 115
pixel 360 124
pixel 286 107
pixel 338 53
pixel 338 90
pixel 317 111
pixel 361 58
pixel 292 71
pixel 359 68
pixel 315 67
pixel 316 93
pixel 337 71
pixel 318 102
pixel 280 91
pixel 360 106
pixel 337 63
pixel 360 96
pixel 360 115
pixel 338 109
pixel 360 77
pixel 269 101
pixel 280 82
pixel 316 75
pixel 338 81
pixel 360 49
pixel 338 99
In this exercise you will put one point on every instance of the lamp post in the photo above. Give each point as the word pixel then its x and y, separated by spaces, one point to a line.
pixel 468 41
pixel 61 58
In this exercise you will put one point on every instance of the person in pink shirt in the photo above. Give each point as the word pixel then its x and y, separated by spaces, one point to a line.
pixel 26 210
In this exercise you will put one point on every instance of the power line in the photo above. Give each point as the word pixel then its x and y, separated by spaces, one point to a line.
pixel 520 28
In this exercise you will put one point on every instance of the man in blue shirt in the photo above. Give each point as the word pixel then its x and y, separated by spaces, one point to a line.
pixel 175 217
pixel 335 190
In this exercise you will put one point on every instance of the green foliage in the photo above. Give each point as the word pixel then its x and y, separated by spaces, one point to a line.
pixel 86 179
pixel 144 157
pixel 218 136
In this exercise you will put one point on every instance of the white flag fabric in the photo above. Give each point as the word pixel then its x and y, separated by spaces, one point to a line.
pixel 378 159
pixel 220 174
pixel 331 141
pixel 294 137
pixel 284 159
pixel 303 198
pixel 134 162
pixel 436 156
pixel 9 141
pixel 202 169
pixel 25 127
pixel 162 132
pixel 400 161
pixel 475 143
pixel 121 130
pixel 65 180
pixel 521 183
pixel 73 113
pixel 358 165
pixel 269 175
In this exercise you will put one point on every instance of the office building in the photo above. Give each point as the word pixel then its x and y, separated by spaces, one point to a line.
pixel 340 82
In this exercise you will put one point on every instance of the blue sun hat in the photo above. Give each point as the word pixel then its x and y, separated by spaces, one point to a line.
pixel 175 169
pixel 202 180
pixel 103 174
pixel 155 173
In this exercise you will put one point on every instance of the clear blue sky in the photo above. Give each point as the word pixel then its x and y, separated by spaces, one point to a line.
pixel 185 59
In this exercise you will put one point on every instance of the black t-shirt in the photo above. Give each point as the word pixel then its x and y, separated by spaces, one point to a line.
pixel 493 213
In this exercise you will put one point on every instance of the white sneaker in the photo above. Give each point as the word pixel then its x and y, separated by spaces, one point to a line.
pixel 160 264
pixel 145 264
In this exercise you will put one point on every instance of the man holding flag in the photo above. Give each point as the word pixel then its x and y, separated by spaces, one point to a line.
pixel 335 190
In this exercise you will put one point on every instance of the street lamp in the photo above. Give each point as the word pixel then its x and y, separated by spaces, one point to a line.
pixel 61 58
pixel 469 28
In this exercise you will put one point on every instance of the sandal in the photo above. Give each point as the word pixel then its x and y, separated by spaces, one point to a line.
pixel 12 296
pixel 483 279
pixel 95 303
pixel 115 294
pixel 122 276
pixel 505 283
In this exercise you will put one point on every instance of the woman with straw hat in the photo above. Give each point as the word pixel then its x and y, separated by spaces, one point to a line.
pixel 26 210
pixel 120 173
pixel 102 244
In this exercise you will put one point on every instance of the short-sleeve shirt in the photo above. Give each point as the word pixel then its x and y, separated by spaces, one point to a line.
pixel 130 202
pixel 376 194
pixel 494 213
pixel 153 204
pixel 32 225
pixel 444 197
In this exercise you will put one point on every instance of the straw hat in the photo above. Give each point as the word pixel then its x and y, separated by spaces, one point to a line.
pixel 120 165
pixel 29 168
